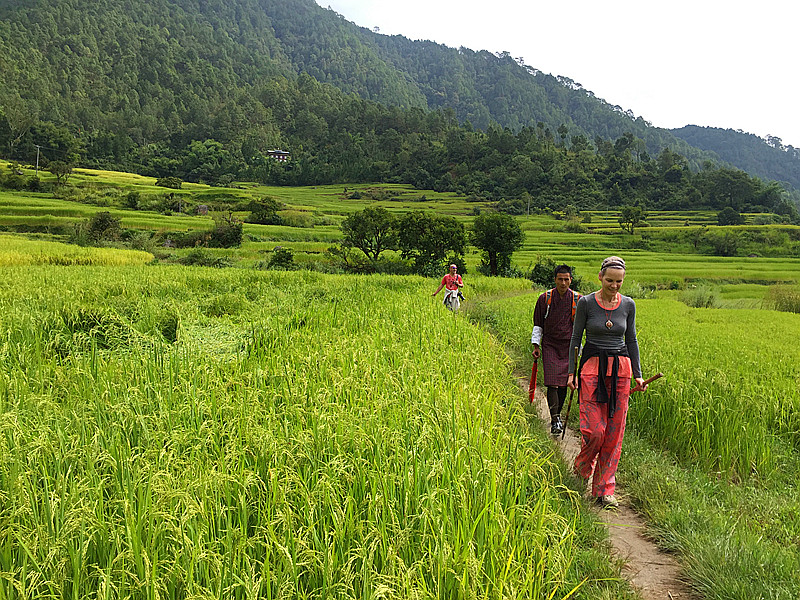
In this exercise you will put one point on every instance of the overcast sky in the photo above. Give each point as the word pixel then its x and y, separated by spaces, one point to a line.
pixel 719 63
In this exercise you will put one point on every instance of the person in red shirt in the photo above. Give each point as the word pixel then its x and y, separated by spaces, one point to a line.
pixel 451 282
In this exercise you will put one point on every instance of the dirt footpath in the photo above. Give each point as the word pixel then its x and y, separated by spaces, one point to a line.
pixel 655 574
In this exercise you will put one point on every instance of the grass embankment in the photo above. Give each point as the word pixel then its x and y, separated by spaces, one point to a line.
pixel 18 251
pixel 170 432
pixel 712 453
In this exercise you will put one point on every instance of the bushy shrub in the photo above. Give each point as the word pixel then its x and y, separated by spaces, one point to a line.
pixel 141 240
pixel 502 271
pixel 723 243
pixel 131 200
pixel 392 266
pixel 729 216
pixel 224 180
pixel 634 289
pixel 34 184
pixel 766 219
pixel 510 207
pixel 202 258
pixel 264 211
pixel 170 182
pixel 281 259
pixel 377 193
pixel 227 233
pixel 574 227
pixel 784 298
pixel 700 297
pixel 325 220
pixel 675 285
pixel 264 218
pixel 542 272
pixel 12 181
pixel 102 227
pixel 190 239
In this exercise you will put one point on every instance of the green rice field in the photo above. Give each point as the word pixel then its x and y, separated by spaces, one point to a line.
pixel 175 432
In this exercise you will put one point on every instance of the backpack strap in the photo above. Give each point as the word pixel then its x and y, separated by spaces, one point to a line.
pixel 548 297
pixel 575 297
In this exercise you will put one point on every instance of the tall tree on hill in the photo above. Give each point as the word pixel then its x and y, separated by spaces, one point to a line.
pixel 632 216
pixel 17 116
pixel 729 216
pixel 61 170
pixel 498 235
pixel 428 238
pixel 372 230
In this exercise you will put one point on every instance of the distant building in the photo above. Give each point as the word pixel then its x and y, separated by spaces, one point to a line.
pixel 202 209
pixel 279 155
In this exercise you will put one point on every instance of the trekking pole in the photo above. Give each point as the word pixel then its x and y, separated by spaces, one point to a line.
pixel 571 394
pixel 647 382
pixel 532 383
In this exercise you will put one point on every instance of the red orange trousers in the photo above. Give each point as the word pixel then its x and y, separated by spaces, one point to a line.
pixel 601 437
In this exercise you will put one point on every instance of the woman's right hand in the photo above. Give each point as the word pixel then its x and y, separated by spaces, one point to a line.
pixel 571 382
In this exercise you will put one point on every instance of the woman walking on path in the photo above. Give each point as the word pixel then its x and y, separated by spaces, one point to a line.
pixel 609 320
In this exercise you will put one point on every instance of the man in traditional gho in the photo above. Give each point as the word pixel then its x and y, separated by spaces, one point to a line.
pixel 552 330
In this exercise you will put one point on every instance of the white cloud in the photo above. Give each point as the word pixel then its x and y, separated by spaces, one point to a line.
pixel 716 63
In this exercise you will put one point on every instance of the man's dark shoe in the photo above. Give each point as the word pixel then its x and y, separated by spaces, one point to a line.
pixel 556 427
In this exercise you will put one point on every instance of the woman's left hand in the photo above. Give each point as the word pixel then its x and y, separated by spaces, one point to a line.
pixel 640 386
pixel 571 382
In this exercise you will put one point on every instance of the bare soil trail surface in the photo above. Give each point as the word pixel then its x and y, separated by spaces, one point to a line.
pixel 655 574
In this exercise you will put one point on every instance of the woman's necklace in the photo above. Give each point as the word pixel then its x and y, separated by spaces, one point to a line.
pixel 609 323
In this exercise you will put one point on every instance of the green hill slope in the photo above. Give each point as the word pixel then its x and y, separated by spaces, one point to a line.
pixel 117 76
pixel 144 87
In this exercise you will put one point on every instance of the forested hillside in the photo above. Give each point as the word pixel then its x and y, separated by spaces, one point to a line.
pixel 133 83
pixel 202 89
pixel 768 159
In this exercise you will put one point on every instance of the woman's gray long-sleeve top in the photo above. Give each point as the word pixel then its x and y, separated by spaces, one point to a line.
pixel 591 317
